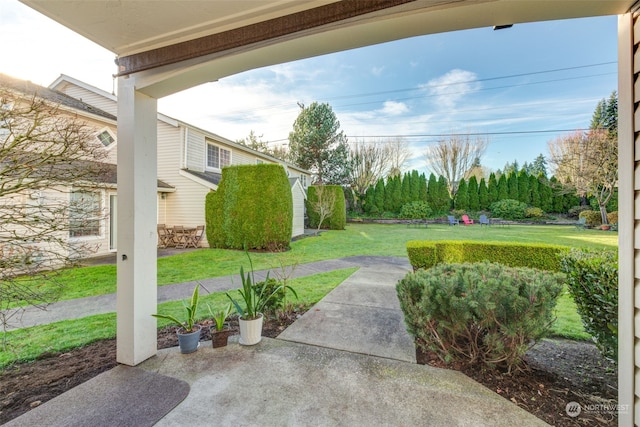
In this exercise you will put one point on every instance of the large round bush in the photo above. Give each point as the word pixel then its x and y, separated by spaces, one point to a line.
pixel 508 209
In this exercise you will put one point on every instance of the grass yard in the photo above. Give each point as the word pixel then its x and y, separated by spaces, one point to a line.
pixel 357 239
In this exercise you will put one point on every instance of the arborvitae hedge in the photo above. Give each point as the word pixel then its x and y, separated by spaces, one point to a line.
pixel 252 208
pixel 426 254
pixel 338 219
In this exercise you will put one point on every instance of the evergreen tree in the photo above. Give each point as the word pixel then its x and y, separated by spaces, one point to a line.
pixel 546 194
pixel 414 186
pixel 503 191
pixel 369 200
pixel 405 190
pixel 378 199
pixel 443 200
pixel 389 189
pixel 512 186
pixel 433 192
pixel 396 194
pixel 557 197
pixel 422 188
pixel 524 193
pixel 492 188
pixel 534 188
pixel 461 201
pixel 474 201
pixel 539 166
pixel 483 195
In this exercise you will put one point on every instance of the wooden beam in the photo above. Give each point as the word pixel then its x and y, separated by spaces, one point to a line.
pixel 255 33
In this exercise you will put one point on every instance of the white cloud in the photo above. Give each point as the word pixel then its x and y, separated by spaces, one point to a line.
pixel 452 87
pixel 393 108
pixel 377 71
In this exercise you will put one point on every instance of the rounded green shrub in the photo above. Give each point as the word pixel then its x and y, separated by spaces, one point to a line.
pixel 331 198
pixel 592 278
pixel 508 209
pixel 252 209
pixel 612 217
pixel 478 313
pixel 575 211
pixel 593 218
pixel 415 210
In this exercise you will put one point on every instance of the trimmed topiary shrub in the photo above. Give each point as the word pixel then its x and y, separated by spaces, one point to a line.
pixel 415 210
pixel 426 254
pixel 593 218
pixel 592 278
pixel 508 209
pixel 252 209
pixel 483 312
pixel 338 217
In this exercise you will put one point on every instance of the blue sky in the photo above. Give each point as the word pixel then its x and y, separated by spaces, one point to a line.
pixel 529 78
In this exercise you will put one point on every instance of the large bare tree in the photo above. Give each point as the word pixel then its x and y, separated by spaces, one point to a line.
pixel 398 154
pixel 48 158
pixel 452 157
pixel 588 163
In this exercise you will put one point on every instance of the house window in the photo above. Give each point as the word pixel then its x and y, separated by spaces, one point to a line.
pixel 303 180
pixel 84 213
pixel 259 161
pixel 106 138
pixel 217 157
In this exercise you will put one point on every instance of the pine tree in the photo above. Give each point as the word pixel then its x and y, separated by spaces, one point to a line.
pixel 461 201
pixel 524 193
pixel 503 191
pixel 389 190
pixel 474 201
pixel 396 195
pixel 483 195
pixel 557 197
pixel 512 186
pixel 492 188
pixel 539 166
pixel 433 192
pixel 546 194
pixel 369 200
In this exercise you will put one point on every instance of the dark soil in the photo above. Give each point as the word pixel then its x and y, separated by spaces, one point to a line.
pixel 559 372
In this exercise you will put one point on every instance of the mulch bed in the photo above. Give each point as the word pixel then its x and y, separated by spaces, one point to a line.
pixel 559 372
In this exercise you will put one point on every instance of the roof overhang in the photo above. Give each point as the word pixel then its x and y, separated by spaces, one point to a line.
pixel 172 46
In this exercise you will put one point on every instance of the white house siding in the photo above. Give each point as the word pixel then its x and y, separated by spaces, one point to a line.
pixel 185 206
pixel 298 195
pixel 99 101
pixel 195 149
pixel 241 158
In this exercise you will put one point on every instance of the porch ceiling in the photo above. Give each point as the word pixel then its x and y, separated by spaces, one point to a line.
pixel 174 45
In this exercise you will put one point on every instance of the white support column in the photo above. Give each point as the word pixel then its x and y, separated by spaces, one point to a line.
pixel 627 214
pixel 137 217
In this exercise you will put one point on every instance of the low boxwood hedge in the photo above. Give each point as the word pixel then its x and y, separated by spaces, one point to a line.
pixel 426 254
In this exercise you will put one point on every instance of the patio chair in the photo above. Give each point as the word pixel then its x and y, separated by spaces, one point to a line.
pixel 452 220
pixel 165 239
pixel 466 220
pixel 194 237
pixel 179 237
pixel 484 220
pixel 582 223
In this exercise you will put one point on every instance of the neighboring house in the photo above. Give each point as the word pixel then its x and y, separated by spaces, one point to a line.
pixel 190 161
pixel 94 233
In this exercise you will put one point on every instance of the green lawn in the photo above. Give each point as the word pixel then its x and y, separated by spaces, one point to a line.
pixel 357 239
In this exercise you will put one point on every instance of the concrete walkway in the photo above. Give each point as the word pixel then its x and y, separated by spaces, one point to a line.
pixel 347 362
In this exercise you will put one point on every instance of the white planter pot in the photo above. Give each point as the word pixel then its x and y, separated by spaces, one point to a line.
pixel 250 331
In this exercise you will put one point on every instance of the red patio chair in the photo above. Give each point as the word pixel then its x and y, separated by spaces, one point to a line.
pixel 466 220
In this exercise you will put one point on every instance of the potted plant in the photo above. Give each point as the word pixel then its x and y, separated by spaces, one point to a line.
pixel 254 299
pixel 188 332
pixel 220 333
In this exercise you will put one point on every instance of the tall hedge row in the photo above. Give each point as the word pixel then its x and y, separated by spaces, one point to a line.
pixel 252 208
pixel 426 254
pixel 338 219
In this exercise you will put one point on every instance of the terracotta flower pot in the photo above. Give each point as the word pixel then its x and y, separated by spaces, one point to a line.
pixel 219 338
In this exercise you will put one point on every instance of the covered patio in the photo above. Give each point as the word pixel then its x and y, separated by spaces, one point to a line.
pixel 166 47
